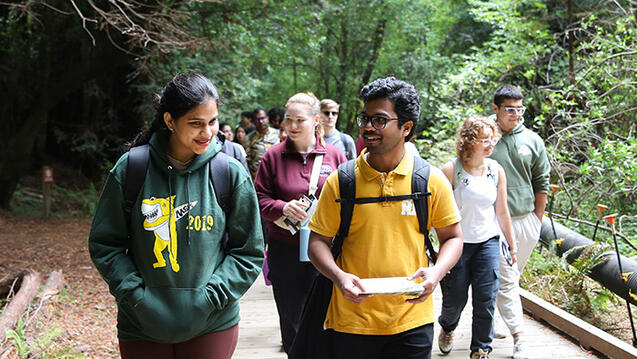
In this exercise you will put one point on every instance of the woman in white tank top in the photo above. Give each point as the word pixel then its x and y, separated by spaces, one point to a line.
pixel 479 187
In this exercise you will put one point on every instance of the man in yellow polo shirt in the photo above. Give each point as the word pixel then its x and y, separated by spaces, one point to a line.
pixel 384 238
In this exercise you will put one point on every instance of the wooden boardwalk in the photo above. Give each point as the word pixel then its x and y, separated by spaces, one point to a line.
pixel 259 336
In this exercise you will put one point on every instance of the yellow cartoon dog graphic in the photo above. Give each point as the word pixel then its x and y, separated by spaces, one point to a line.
pixel 158 219
pixel 162 222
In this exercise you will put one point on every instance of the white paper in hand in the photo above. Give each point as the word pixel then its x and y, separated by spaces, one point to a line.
pixel 391 285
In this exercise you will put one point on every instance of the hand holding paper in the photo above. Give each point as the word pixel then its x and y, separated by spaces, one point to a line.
pixel 351 288
pixel 430 281
pixel 295 209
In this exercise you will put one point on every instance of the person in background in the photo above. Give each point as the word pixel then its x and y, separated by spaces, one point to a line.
pixel 257 142
pixel 480 190
pixel 522 154
pixel 284 176
pixel 329 116
pixel 384 238
pixel 240 135
pixel 176 281
pixel 276 116
pixel 283 134
pixel 226 129
pixel 247 122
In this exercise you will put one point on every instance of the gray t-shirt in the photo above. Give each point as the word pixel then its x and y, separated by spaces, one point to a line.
pixel 343 142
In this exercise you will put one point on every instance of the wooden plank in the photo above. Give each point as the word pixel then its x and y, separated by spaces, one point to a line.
pixel 587 334
pixel 259 335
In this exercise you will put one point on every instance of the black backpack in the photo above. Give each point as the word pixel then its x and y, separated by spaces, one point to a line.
pixel 138 166
pixel 347 187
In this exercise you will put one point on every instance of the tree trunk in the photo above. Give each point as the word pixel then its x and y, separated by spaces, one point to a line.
pixel 17 150
pixel 379 35
pixel 571 51
pixel 29 288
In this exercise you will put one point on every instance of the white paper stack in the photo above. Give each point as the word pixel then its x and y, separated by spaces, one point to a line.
pixel 391 285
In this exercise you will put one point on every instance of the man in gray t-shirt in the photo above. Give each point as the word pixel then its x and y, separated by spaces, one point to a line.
pixel 329 116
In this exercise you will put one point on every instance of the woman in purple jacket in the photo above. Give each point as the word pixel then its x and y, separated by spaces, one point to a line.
pixel 283 178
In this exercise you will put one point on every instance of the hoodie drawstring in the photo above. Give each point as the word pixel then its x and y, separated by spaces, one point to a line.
pixel 188 201
pixel 170 202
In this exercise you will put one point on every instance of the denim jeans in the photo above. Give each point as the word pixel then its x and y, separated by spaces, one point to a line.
pixel 479 266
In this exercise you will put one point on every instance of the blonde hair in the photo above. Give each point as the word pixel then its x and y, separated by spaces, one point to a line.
pixel 305 98
pixel 468 134
pixel 327 103
pixel 308 98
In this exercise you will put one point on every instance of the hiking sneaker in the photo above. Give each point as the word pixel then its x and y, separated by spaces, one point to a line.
pixel 445 341
pixel 480 354
pixel 519 351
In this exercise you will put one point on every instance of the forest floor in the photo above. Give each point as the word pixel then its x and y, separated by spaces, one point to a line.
pixel 81 322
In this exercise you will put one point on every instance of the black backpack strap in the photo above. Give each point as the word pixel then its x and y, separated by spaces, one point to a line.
pixel 402 197
pixel 220 177
pixel 347 189
pixel 419 183
pixel 135 175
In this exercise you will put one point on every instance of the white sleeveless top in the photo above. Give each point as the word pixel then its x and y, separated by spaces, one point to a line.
pixel 475 197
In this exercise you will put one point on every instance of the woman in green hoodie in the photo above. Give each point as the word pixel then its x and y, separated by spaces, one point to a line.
pixel 177 264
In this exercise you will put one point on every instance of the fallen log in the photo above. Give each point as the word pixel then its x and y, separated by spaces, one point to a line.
pixel 6 284
pixel 606 273
pixel 51 288
pixel 20 302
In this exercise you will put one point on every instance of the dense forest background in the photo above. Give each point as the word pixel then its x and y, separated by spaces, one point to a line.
pixel 78 76
pixel 78 79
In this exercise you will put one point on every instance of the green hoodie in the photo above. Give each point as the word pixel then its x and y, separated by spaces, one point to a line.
pixel 522 154
pixel 170 272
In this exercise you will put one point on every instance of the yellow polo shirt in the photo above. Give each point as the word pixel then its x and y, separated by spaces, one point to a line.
pixel 383 241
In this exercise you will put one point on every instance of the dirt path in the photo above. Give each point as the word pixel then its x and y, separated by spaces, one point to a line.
pixel 83 319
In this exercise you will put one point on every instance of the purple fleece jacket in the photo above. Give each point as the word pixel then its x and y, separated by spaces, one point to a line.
pixel 284 174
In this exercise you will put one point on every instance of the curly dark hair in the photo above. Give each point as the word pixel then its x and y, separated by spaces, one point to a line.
pixel 405 97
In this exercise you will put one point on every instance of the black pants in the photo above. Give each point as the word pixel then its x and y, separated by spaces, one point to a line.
pixel 412 344
pixel 291 283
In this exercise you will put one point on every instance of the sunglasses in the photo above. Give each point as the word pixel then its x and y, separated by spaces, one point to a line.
pixel 328 113
pixel 378 122
pixel 515 110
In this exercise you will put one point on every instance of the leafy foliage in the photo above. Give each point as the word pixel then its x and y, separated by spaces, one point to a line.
pixel 568 286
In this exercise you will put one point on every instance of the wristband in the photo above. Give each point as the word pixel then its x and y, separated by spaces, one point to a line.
pixel 515 251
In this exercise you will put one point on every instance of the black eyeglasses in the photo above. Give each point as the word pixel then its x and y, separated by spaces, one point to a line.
pixel 378 122
pixel 328 113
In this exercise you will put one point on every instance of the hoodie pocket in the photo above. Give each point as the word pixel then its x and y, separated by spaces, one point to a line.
pixel 173 315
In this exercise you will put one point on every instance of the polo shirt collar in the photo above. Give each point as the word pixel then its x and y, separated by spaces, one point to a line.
pixel 369 173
